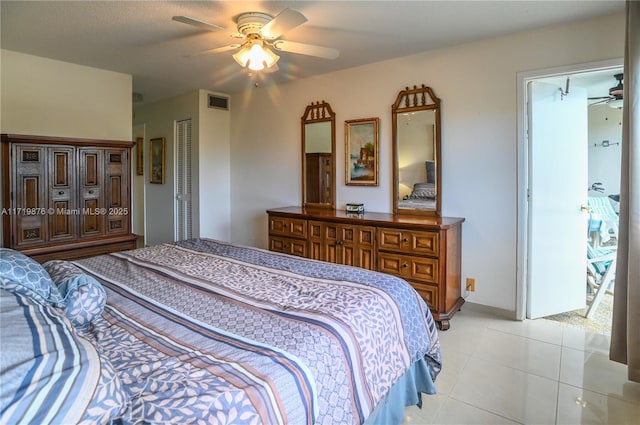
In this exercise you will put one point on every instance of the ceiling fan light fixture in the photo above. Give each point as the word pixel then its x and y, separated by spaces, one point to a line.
pixel 616 104
pixel 256 56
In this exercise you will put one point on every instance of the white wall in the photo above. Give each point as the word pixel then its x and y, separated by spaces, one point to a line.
pixel 45 97
pixel 477 85
pixel 214 171
pixel 605 123
pixel 210 167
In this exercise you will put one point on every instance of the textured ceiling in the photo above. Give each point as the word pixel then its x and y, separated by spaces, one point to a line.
pixel 141 39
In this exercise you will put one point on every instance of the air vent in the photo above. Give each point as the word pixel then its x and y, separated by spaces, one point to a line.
pixel 218 102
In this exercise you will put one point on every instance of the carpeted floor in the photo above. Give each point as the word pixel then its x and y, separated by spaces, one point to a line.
pixel 601 322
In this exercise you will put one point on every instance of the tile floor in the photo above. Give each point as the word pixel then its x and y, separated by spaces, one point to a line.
pixel 498 371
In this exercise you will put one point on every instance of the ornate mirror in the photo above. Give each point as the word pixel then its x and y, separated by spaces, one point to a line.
pixel 318 156
pixel 416 152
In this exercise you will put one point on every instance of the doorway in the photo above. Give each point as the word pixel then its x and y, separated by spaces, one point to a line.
pixel 551 258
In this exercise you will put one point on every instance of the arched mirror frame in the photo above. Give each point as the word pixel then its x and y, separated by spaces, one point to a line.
pixel 408 101
pixel 319 112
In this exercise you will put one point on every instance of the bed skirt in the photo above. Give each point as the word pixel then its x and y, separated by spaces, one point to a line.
pixel 405 392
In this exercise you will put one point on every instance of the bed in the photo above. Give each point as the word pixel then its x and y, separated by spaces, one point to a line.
pixel 202 331
pixel 422 197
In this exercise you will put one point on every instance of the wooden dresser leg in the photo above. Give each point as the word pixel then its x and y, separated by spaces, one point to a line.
pixel 444 325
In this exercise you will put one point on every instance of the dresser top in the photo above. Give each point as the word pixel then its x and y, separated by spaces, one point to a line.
pixel 367 218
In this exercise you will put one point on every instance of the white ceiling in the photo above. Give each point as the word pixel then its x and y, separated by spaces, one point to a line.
pixel 141 39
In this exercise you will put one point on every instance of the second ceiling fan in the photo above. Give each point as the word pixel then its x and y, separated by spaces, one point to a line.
pixel 615 94
pixel 259 33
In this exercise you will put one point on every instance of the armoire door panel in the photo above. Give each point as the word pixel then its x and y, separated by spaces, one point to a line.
pixel 31 192
pixel 29 195
pixel 90 219
pixel 61 165
pixel 62 189
pixel 90 162
pixel 62 221
pixel 114 195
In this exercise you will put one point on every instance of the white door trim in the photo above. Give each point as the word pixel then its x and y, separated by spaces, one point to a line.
pixel 523 78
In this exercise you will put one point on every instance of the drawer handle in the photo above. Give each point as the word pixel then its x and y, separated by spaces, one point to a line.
pixel 91 192
pixel 61 193
pixel 405 240
pixel 405 265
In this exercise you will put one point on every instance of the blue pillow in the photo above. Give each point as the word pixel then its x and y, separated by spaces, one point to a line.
pixel 50 374
pixel 23 275
pixel 83 296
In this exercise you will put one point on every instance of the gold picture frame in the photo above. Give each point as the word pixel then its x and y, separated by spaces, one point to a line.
pixel 361 151
pixel 157 160
pixel 139 156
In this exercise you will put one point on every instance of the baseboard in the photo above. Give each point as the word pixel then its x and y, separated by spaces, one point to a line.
pixel 493 311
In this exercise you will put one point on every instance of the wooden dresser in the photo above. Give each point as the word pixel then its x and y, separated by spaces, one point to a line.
pixel 425 251
pixel 65 198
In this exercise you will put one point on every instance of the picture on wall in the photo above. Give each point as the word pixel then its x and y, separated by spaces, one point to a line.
pixel 361 152
pixel 157 160
pixel 139 156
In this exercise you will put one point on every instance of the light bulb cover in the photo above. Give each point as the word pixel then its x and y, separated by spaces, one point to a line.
pixel 256 56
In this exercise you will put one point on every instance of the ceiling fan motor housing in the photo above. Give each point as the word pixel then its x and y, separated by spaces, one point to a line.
pixel 252 22
pixel 618 90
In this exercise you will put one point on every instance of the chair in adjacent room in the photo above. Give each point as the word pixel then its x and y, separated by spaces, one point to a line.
pixel 601 271
pixel 603 221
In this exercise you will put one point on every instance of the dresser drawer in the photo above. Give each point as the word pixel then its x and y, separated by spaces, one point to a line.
pixel 429 294
pixel 409 267
pixel 408 241
pixel 288 226
pixel 288 246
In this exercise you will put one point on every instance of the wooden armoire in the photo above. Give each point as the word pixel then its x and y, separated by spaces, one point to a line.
pixel 65 198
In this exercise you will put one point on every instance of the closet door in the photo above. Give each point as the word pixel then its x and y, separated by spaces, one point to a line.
pixel 28 209
pixel 92 216
pixel 63 209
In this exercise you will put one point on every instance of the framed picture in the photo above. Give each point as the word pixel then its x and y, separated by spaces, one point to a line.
pixel 361 152
pixel 156 160
pixel 139 156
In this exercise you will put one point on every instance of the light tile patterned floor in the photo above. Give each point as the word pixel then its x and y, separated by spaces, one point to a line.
pixel 498 371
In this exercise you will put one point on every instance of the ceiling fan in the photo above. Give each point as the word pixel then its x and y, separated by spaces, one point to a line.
pixel 259 33
pixel 614 99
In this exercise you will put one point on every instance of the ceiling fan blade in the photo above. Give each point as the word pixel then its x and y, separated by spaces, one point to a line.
pixel 285 21
pixel 197 23
pixel 306 49
pixel 599 98
pixel 216 50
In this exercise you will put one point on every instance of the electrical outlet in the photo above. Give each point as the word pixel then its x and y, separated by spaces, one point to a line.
pixel 471 284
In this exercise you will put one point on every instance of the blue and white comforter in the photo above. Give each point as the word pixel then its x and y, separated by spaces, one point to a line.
pixel 204 331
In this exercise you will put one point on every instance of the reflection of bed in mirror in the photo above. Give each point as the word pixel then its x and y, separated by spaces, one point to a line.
pixel 423 194
pixel 422 197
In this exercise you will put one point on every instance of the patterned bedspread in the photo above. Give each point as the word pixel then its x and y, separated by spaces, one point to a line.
pixel 202 330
